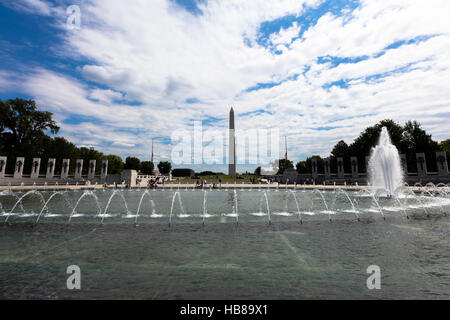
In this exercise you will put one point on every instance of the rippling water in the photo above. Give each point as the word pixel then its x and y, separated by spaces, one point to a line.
pixel 222 259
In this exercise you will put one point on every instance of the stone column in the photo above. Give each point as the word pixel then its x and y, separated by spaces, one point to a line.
pixel 2 166
pixel 65 169
pixel 50 168
pixel 35 168
pixel 18 169
pixel 404 163
pixel 442 165
pixel 355 169
pixel 91 172
pixel 340 168
pixel 130 177
pixel 421 164
pixel 367 165
pixel 314 169
pixel 104 169
pixel 326 168
pixel 79 169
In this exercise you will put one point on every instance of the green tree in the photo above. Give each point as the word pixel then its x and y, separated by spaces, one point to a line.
pixel 301 167
pixel 445 145
pixel 207 173
pixel 362 145
pixel 164 167
pixel 21 124
pixel 88 154
pixel 147 167
pixel 284 164
pixel 306 166
pixel 22 128
pixel 58 148
pixel 132 163
pixel 320 164
pixel 115 164
pixel 258 171
pixel 24 132
pixel 415 139
pixel 341 149
pixel 409 139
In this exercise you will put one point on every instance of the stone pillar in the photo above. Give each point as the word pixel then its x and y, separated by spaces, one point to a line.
pixel 18 169
pixel 91 172
pixel 367 165
pixel 65 169
pixel 327 168
pixel 2 166
pixel 35 168
pixel 79 169
pixel 50 168
pixel 355 169
pixel 104 169
pixel 421 164
pixel 442 165
pixel 340 168
pixel 130 177
pixel 404 163
pixel 314 168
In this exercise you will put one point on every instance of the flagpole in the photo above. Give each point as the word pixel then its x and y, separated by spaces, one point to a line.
pixel 285 154
pixel 152 149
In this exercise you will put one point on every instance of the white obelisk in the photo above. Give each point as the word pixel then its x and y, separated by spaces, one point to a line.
pixel 232 147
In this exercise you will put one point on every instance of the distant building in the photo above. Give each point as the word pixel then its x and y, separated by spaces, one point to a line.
pixel 183 173
pixel 156 173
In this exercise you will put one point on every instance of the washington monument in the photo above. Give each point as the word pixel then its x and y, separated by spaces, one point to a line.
pixel 232 147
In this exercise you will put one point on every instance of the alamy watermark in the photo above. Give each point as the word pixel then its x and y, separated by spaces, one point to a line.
pixel 210 146
pixel 74 17
pixel 374 280
pixel 74 280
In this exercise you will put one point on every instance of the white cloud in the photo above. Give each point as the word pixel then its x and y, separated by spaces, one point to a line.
pixel 160 55
pixel 7 81
pixel 40 7
pixel 107 96
pixel 285 36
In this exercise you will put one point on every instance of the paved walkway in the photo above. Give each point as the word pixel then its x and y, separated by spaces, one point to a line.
pixel 192 186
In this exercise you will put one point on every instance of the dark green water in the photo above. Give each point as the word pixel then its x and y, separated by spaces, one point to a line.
pixel 223 260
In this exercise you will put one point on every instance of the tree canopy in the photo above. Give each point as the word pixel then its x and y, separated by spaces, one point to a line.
pixel 147 167
pixel 415 139
pixel 132 163
pixel 409 139
pixel 341 149
pixel 22 126
pixel 115 164
pixel 306 166
pixel 445 145
pixel 367 139
pixel 164 167
pixel 284 164
pixel 25 132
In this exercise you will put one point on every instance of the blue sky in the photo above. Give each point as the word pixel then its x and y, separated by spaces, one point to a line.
pixel 319 71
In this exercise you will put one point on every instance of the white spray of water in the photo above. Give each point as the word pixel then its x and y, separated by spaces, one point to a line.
pixel 385 170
